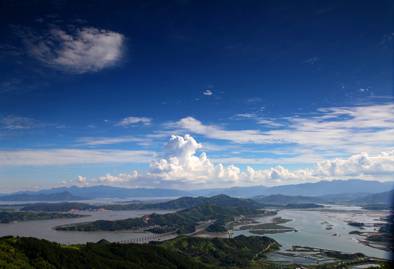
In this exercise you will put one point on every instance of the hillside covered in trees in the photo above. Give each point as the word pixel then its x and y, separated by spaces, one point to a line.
pixel 184 220
pixel 7 217
pixel 180 203
pixel 29 253
pixel 238 252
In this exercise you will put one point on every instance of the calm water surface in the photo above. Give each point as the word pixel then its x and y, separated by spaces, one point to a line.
pixel 312 233
pixel 311 226
pixel 42 229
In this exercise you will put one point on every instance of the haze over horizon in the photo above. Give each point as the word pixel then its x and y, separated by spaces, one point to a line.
pixel 195 94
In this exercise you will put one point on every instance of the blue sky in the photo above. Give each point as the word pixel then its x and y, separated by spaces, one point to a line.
pixel 194 94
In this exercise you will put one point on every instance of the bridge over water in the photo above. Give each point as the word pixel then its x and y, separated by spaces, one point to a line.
pixel 146 239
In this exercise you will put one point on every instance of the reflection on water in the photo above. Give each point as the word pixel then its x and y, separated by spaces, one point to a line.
pixel 311 226
pixel 42 229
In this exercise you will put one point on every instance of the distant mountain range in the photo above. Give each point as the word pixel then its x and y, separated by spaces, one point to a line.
pixel 354 188
pixel 356 198
pixel 381 198
pixel 61 196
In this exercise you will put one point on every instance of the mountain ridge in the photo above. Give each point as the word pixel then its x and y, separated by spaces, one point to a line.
pixel 320 188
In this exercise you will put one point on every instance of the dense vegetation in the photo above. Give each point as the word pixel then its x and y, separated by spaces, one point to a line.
pixel 7 217
pixel 216 228
pixel 184 202
pixel 34 253
pixel 222 252
pixel 61 196
pixel 60 207
pixel 343 256
pixel 357 224
pixel 376 198
pixel 183 220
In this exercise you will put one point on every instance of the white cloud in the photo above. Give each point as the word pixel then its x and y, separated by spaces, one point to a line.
pixel 95 141
pixel 79 51
pixel 61 157
pixel 207 92
pixel 274 175
pixel 352 129
pixel 356 165
pixel 212 131
pixel 247 115
pixel 178 163
pixel 131 121
pixel 121 178
pixel 81 179
pixel 14 122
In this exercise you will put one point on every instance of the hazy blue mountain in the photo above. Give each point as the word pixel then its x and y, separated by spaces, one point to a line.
pixel 320 188
pixel 233 191
pixel 329 187
pixel 343 197
pixel 287 199
pixel 115 192
pixel 61 196
pixel 381 198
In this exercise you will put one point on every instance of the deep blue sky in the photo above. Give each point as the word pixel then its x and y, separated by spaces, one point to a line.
pixel 298 91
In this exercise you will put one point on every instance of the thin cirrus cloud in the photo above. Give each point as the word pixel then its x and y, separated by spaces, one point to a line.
pixel 15 122
pixel 353 129
pixel 96 141
pixel 178 164
pixel 132 121
pixel 63 157
pixel 81 50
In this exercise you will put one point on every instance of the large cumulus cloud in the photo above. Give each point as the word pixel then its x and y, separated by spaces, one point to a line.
pixel 178 164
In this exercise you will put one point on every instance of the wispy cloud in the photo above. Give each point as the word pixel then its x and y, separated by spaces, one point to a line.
pixel 349 129
pixel 14 122
pixel 207 92
pixel 80 50
pixel 132 121
pixel 63 157
pixel 95 141
pixel 216 132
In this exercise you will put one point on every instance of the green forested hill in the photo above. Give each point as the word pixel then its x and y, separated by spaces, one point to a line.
pixel 183 202
pixel 221 200
pixel 60 207
pixel 383 197
pixel 222 252
pixel 7 217
pixel 181 219
pixel 34 253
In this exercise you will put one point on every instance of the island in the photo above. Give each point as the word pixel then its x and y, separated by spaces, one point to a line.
pixel 184 221
pixel 9 217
